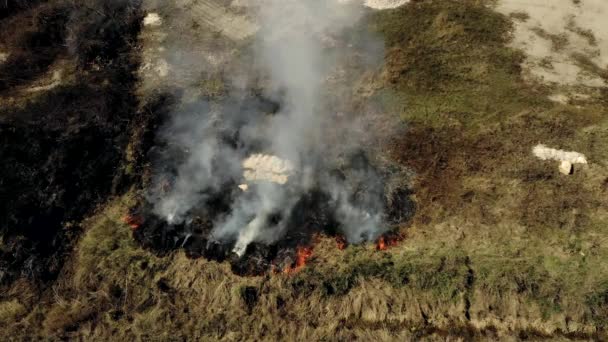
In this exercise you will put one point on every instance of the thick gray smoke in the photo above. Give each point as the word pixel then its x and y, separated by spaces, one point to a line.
pixel 294 48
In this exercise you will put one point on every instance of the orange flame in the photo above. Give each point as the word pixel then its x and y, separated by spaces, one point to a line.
pixel 132 221
pixel 341 242
pixel 384 242
pixel 381 245
pixel 303 254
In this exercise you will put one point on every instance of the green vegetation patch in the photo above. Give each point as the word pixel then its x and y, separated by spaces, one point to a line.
pixel 448 61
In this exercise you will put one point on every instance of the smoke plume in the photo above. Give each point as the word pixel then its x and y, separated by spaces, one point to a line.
pixel 302 146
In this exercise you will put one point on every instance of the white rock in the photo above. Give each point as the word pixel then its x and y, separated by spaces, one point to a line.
pixel 153 19
pixel 559 98
pixel 545 153
pixel 566 167
pixel 383 4
pixel 263 167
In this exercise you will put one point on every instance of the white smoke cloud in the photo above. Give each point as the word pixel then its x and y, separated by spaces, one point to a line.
pixel 294 47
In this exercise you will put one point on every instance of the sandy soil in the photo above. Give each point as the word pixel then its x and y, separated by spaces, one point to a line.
pixel 552 32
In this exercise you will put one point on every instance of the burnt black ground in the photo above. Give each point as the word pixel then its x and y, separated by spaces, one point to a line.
pixel 312 215
pixel 61 151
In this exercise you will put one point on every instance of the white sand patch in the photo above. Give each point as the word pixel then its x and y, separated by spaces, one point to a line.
pixel 545 153
pixel 578 28
pixel 217 58
pixel 384 4
pixel 154 68
pixel 162 68
pixel 566 98
pixel 559 98
pixel 263 167
pixel 153 19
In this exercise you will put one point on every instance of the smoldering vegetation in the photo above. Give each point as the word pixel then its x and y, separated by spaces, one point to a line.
pixel 282 107
pixel 61 149
pixel 314 213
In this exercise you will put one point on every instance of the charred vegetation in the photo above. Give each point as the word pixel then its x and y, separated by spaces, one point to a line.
pixel 36 38
pixel 312 216
pixel 12 7
pixel 61 150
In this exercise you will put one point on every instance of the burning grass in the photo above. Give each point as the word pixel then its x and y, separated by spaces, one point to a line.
pixel 313 216
pixel 118 290
pixel 302 255
pixel 388 240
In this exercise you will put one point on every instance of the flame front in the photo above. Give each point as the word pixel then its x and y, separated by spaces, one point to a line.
pixel 341 242
pixel 381 245
pixel 303 254
pixel 384 242
pixel 132 221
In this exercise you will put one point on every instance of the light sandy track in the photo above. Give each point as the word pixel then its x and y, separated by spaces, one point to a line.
pixel 216 15
pixel 553 33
